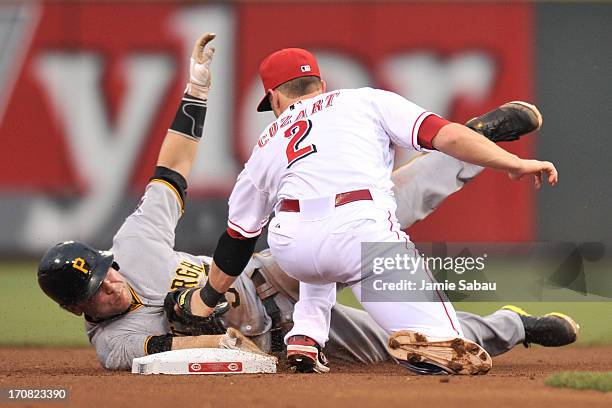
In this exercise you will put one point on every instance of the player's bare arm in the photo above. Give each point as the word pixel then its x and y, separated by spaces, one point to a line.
pixel 463 143
pixel 417 191
pixel 220 282
pixel 232 339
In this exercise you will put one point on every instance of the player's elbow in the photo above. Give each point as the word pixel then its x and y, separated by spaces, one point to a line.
pixel 115 358
pixel 114 364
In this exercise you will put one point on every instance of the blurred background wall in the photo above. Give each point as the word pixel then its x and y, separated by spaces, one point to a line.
pixel 87 91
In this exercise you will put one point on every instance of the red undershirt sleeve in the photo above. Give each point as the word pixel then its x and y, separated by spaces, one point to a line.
pixel 429 129
pixel 235 234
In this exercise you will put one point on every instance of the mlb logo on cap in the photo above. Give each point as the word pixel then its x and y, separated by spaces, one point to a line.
pixel 282 66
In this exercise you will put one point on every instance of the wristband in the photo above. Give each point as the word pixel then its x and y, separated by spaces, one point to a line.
pixel 210 296
pixel 232 255
pixel 189 118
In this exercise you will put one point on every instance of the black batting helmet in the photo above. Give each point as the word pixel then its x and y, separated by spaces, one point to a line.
pixel 72 272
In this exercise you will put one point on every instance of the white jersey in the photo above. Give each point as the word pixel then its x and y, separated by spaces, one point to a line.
pixel 333 143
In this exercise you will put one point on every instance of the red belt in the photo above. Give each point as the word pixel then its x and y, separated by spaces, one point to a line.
pixel 290 205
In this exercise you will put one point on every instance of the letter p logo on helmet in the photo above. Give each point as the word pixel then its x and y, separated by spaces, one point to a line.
pixel 80 265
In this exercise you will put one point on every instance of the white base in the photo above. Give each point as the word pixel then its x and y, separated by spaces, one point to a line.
pixel 204 361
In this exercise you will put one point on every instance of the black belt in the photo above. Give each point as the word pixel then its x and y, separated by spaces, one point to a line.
pixel 266 293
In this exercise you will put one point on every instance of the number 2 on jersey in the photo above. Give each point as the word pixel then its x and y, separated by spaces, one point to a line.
pixel 298 132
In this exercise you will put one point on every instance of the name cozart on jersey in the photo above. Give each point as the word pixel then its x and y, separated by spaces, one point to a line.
pixel 322 146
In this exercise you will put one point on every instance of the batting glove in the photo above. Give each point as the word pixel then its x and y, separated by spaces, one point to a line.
pixel 199 68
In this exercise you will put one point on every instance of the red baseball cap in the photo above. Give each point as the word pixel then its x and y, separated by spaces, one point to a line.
pixel 282 66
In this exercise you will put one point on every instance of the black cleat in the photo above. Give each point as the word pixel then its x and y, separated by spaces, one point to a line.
pixel 551 330
pixel 508 122
pixel 421 368
pixel 305 355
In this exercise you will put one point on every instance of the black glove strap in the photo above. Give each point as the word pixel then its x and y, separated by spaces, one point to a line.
pixel 189 118
pixel 210 296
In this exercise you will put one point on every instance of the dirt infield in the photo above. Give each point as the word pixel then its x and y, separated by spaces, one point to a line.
pixel 516 380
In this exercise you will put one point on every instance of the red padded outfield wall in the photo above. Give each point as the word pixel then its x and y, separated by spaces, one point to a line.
pixel 91 88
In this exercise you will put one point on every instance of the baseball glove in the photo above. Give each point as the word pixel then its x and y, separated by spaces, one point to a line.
pixel 508 122
pixel 187 324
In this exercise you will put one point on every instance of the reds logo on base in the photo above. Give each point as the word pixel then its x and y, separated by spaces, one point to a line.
pixel 220 367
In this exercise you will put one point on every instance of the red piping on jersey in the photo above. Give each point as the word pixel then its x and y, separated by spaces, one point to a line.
pixel 414 127
pixel 428 273
pixel 242 229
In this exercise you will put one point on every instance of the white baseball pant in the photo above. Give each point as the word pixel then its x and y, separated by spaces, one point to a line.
pixel 321 246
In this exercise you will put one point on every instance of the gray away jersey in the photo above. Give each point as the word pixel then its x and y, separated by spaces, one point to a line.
pixel 144 249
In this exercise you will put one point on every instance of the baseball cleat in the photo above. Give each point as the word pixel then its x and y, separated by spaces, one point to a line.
pixel 423 368
pixel 424 354
pixel 551 330
pixel 305 355
pixel 508 122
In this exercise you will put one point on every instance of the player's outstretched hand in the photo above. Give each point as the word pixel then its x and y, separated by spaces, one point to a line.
pixel 199 69
pixel 537 168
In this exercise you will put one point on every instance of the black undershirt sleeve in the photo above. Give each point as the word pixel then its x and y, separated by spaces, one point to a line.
pixel 173 177
pixel 159 344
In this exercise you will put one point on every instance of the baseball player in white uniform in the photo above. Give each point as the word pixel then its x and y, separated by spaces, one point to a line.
pixel 324 166
pixel 121 292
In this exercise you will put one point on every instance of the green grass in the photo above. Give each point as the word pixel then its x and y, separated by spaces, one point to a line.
pixel 599 381
pixel 29 318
